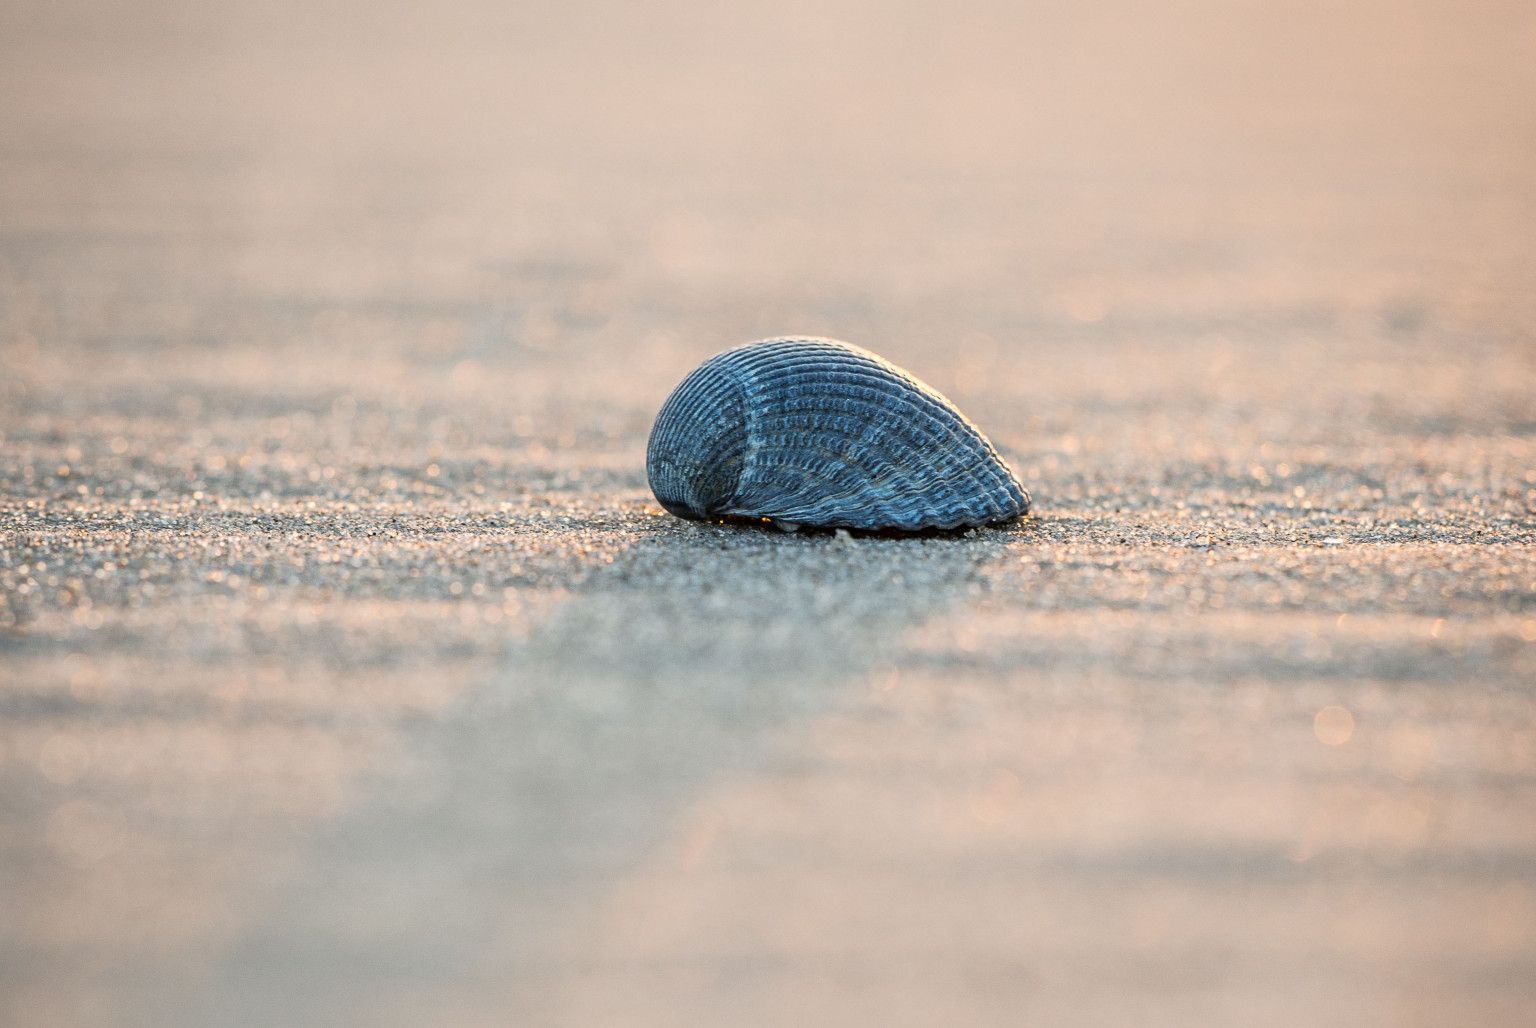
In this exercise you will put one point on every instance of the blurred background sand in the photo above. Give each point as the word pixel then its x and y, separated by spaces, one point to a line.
pixel 349 673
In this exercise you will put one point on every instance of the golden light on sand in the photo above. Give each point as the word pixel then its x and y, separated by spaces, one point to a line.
pixel 996 801
pixel 1333 725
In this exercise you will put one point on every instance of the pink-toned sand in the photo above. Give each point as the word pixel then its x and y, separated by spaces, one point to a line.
pixel 350 674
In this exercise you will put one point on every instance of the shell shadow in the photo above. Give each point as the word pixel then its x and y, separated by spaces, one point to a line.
pixel 695 659
pixel 1016 525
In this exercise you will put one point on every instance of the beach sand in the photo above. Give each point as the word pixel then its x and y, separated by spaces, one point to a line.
pixel 349 673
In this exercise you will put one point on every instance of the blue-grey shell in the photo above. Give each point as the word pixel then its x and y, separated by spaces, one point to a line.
pixel 818 432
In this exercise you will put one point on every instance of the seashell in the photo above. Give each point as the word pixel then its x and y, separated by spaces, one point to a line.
pixel 818 432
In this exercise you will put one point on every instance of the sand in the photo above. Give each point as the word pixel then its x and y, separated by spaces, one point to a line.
pixel 350 674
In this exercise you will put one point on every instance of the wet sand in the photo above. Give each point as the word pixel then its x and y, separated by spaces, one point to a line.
pixel 350 674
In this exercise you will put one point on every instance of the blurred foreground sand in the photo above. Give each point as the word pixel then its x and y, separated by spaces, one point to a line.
pixel 348 672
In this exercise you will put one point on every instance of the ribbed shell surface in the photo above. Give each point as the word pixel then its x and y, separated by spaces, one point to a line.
pixel 818 432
